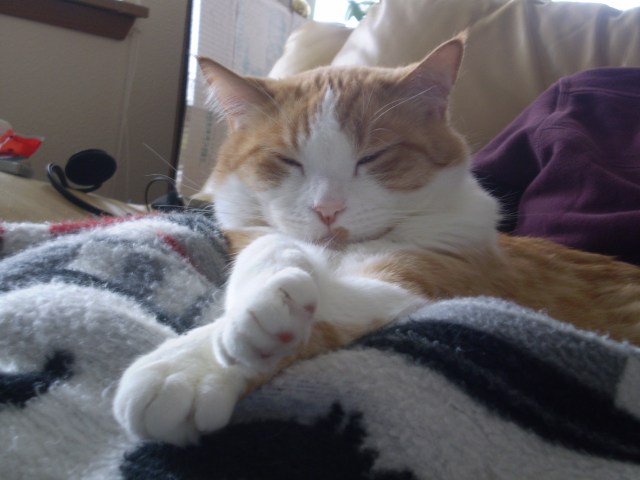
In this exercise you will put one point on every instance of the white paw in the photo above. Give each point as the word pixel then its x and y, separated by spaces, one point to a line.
pixel 190 384
pixel 178 392
pixel 270 324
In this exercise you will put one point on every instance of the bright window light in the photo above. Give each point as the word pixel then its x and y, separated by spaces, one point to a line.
pixel 334 10
pixel 330 11
pixel 619 4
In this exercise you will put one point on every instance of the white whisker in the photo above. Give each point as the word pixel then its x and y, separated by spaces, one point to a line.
pixel 187 181
pixel 391 105
pixel 275 103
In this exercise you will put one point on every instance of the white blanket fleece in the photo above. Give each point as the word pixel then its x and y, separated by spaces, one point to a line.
pixel 472 388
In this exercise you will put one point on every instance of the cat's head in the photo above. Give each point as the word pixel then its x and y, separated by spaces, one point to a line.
pixel 348 153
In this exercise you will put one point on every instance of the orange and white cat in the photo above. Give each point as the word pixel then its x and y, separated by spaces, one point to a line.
pixel 349 201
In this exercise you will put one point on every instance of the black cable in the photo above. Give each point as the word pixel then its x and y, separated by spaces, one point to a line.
pixel 58 180
pixel 170 201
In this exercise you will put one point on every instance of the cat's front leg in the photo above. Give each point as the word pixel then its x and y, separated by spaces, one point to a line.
pixel 190 384
pixel 270 302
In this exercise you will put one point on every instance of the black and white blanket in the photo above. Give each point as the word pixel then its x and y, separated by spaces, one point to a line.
pixel 464 389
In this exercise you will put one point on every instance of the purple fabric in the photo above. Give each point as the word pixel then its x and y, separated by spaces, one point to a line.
pixel 568 167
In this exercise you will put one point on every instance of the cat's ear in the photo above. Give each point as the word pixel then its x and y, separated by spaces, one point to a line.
pixel 239 98
pixel 434 77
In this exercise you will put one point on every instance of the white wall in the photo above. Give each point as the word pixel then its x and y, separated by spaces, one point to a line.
pixel 71 88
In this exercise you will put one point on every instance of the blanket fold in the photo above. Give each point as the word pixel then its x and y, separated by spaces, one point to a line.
pixel 466 388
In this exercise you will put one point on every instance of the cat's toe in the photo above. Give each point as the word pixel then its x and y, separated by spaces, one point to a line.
pixel 175 407
pixel 299 293
pixel 215 400
pixel 155 403
pixel 167 417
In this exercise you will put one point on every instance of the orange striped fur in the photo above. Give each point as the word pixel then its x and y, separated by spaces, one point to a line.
pixel 411 142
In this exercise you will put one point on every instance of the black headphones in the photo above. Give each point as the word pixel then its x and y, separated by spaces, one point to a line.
pixel 87 168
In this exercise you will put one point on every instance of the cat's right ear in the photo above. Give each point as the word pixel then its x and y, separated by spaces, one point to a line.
pixel 239 98
pixel 433 78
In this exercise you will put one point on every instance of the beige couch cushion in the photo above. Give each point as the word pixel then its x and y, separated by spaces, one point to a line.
pixel 312 45
pixel 395 33
pixel 516 49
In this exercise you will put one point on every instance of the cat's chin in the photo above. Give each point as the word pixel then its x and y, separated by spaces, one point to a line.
pixel 340 237
pixel 337 238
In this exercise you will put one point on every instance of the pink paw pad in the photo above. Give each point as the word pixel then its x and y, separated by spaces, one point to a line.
pixel 285 337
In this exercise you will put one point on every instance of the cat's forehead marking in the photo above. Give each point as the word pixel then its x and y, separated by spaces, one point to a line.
pixel 327 149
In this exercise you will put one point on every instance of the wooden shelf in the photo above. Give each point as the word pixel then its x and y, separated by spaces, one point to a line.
pixel 106 18
pixel 126 8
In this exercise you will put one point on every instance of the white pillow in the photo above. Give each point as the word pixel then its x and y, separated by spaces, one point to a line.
pixel 314 44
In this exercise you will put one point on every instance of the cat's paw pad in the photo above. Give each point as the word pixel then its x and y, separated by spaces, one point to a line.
pixel 270 325
pixel 176 400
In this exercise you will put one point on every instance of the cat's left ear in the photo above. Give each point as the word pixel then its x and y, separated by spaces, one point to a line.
pixel 434 77
pixel 238 97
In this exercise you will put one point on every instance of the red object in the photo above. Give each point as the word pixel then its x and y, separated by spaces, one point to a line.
pixel 17 146
pixel 175 245
pixel 76 226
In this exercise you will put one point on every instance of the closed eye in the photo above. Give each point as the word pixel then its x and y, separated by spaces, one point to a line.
pixel 368 159
pixel 291 162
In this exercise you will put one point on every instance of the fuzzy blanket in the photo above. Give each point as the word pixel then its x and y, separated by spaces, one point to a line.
pixel 463 389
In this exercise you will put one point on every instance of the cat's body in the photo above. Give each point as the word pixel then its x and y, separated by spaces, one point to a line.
pixel 350 202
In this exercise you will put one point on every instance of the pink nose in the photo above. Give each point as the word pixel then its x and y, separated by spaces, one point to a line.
pixel 328 212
